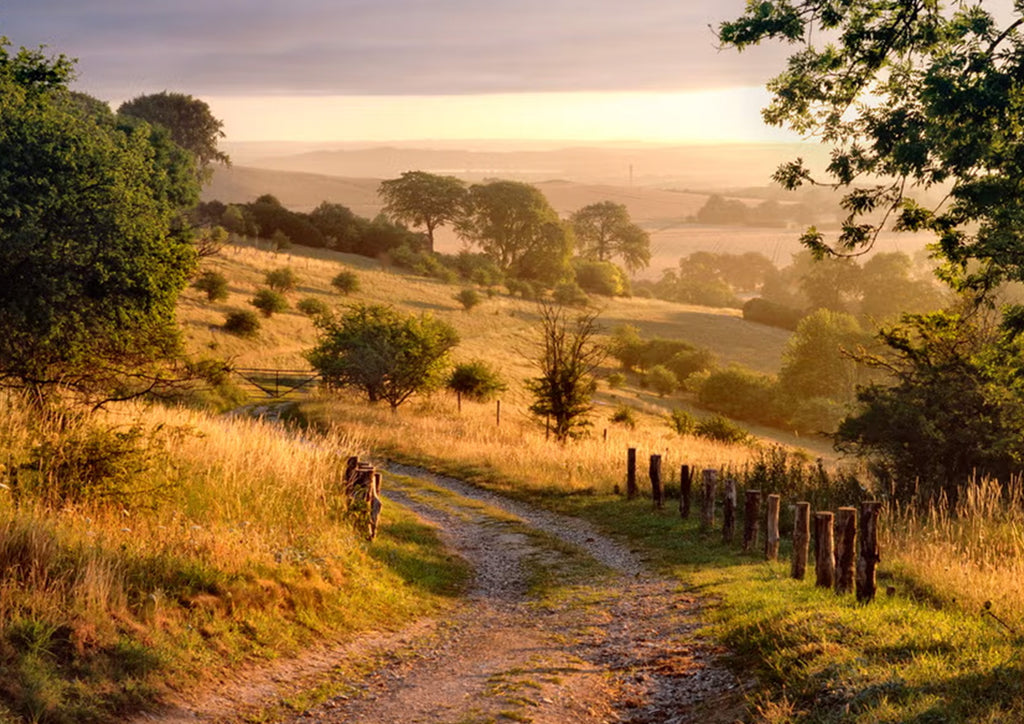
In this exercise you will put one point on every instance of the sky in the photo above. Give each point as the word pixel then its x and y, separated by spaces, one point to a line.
pixel 375 70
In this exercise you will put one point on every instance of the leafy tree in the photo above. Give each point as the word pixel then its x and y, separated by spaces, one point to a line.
pixel 682 422
pixel 269 302
pixel 600 277
pixel 243 323
pixel 569 293
pixel 910 94
pixel 567 362
pixel 662 380
pixel 313 307
pixel 604 231
pixel 515 225
pixel 189 120
pixel 476 380
pixel 213 284
pixel 388 355
pixel 210 241
pixel 468 298
pixel 814 363
pixel 93 245
pixel 423 199
pixel 346 282
pixel 718 210
pixel 281 280
pixel 888 289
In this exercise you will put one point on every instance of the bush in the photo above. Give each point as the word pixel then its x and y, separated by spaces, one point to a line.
pixel 521 288
pixel 771 313
pixel 476 380
pixel 313 307
pixel 616 380
pixel 214 284
pixel 721 429
pixel 570 294
pixel 601 277
pixel 662 380
pixel 468 298
pixel 682 422
pixel 281 280
pixel 268 302
pixel 242 323
pixel 346 282
pixel 624 416
pixel 741 393
pixel 689 362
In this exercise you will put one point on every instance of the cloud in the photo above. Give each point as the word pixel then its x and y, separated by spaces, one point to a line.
pixel 386 47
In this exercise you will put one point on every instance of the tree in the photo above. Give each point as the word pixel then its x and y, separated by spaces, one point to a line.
pixel 468 298
pixel 476 380
pixel 269 302
pixel 423 199
pixel 910 94
pixel 283 279
pixel 567 362
pixel 604 230
pixel 189 121
pixel 388 355
pixel 515 225
pixel 814 363
pixel 93 246
pixel 213 284
pixel 243 323
pixel 346 282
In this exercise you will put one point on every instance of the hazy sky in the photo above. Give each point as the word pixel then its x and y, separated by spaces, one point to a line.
pixel 405 69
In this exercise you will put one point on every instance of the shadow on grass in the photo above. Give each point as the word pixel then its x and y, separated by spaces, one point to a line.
pixel 414 553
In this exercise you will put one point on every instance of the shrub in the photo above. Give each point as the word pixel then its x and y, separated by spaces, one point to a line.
pixel 242 323
pixel 313 307
pixel 268 302
pixel 601 277
pixel 570 294
pixel 682 422
pixel 616 380
pixel 624 415
pixel 771 313
pixel 741 393
pixel 346 282
pixel 281 280
pixel 476 380
pixel 521 288
pixel 721 429
pixel 689 362
pixel 213 284
pixel 662 380
pixel 468 298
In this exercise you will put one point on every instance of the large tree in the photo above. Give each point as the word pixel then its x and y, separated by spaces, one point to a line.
pixel 423 199
pixel 604 230
pixel 513 223
pixel 93 248
pixel 189 121
pixel 910 94
pixel 387 355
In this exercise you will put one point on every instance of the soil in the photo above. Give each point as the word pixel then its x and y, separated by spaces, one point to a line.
pixel 561 624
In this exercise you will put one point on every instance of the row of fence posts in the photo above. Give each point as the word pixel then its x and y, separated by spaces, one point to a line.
pixel 362 485
pixel 839 562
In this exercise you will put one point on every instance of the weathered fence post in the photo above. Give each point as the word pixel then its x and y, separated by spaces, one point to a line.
pixel 654 471
pixel 846 550
pixel 707 501
pixel 685 490
pixel 497 415
pixel 801 540
pixel 751 518
pixel 373 503
pixel 729 511
pixel 824 550
pixel 631 473
pixel 869 554
pixel 771 538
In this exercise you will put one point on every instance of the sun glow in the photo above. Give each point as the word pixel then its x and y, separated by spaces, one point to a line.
pixel 727 115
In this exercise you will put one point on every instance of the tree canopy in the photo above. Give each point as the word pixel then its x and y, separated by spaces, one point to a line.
pixel 604 230
pixel 423 199
pixel 515 225
pixel 910 94
pixel 93 248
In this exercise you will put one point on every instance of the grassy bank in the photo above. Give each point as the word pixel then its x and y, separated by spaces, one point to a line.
pixel 146 550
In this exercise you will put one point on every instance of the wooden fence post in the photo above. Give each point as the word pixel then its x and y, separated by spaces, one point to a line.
pixel 771 539
pixel 824 550
pixel 751 518
pixel 846 550
pixel 869 554
pixel 685 490
pixel 707 502
pixel 497 414
pixel 631 473
pixel 729 511
pixel 801 540
pixel 654 471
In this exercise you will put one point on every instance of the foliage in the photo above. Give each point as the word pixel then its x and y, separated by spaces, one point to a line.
pixel 918 95
pixel 721 429
pixel 468 298
pixel 243 323
pixel 624 415
pixel 682 422
pixel 476 380
pixel 313 306
pixel 189 120
pixel 817 360
pixel 522 288
pixel 280 240
pixel 604 231
pixel 764 311
pixel 662 380
pixel 213 284
pixel 281 280
pixel 210 241
pixel 423 199
pixel 269 302
pixel 680 358
pixel 515 225
pixel 346 282
pixel 388 355
pixel 93 249
pixel 569 293
pixel 955 409
pixel 616 380
pixel 601 277
pixel 568 358
pixel 740 393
